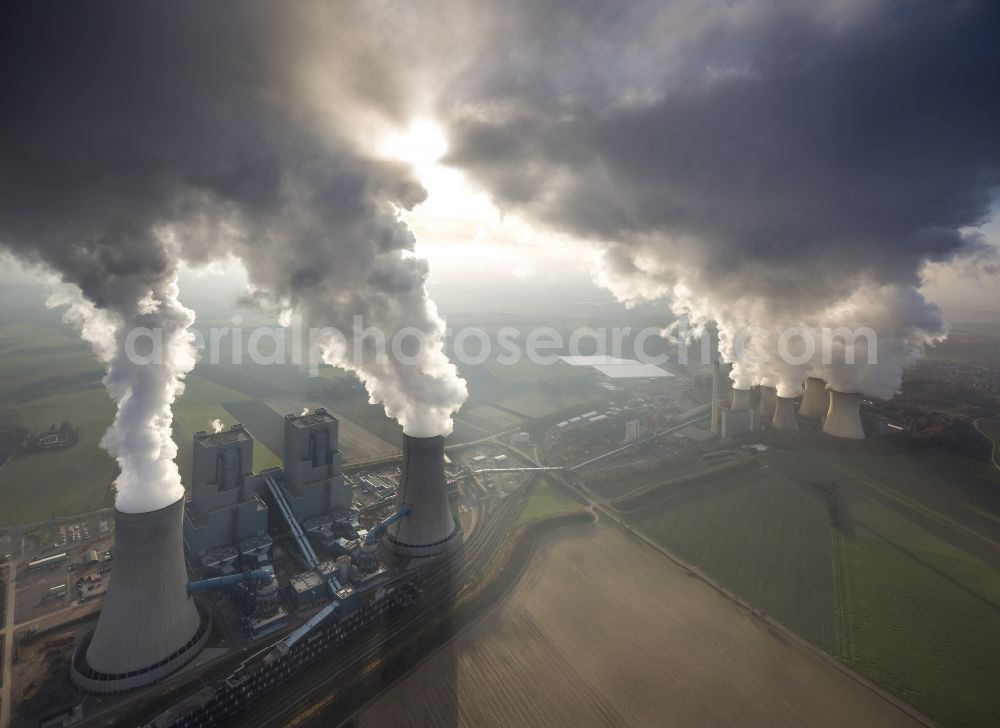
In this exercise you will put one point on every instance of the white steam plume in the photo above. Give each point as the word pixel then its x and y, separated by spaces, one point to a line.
pixel 144 376
pixel 762 165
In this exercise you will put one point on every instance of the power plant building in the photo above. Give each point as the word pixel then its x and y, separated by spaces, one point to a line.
pixel 150 626
pixel 224 506
pixel 313 482
pixel 308 589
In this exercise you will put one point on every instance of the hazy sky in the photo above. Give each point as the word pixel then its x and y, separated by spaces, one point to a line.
pixel 663 146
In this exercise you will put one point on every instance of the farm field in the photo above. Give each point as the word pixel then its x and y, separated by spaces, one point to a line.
pixel 369 417
pixel 610 485
pixel 764 537
pixel 38 485
pixel 602 630
pixel 546 500
pixel 531 390
pixel 919 617
pixel 37 361
pixel 48 376
pixel 539 401
pixel 489 419
pixel 957 497
pixel 915 593
pixel 266 425
pixel 990 428
pixel 244 379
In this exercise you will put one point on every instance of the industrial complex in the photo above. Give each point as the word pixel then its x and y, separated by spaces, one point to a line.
pixel 836 413
pixel 304 556
pixel 157 613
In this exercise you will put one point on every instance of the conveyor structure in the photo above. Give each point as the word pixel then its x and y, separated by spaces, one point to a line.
pixel 309 555
pixel 257 576
pixel 378 529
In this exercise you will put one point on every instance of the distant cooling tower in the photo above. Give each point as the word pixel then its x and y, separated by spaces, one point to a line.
pixel 814 400
pixel 784 414
pixel 741 399
pixel 149 626
pixel 430 527
pixel 844 416
pixel 768 401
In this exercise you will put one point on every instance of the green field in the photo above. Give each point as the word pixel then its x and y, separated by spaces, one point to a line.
pixel 905 589
pixel 613 485
pixel 920 618
pixel 37 485
pixel 48 376
pixel 765 538
pixel 36 361
pixel 546 500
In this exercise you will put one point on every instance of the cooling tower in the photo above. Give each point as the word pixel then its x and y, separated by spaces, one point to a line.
pixel 741 399
pixel 768 401
pixel 149 625
pixel 429 528
pixel 784 414
pixel 814 400
pixel 844 416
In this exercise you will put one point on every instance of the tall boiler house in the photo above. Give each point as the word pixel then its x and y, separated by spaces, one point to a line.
pixel 313 482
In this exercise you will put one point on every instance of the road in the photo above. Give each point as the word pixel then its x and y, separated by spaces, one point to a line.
pixel 8 651
pixel 994 455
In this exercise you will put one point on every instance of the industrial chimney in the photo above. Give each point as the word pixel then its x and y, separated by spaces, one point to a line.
pixel 768 401
pixel 715 397
pixel 784 414
pixel 844 416
pixel 741 399
pixel 814 400
pixel 149 626
pixel 429 528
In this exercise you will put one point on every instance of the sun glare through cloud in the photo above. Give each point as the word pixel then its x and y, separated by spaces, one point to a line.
pixel 673 323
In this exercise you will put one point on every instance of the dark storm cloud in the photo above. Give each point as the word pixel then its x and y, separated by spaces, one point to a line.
pixel 125 117
pixel 136 135
pixel 782 160
pixel 863 151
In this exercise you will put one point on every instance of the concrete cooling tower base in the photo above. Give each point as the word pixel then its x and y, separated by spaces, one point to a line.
pixel 784 415
pixel 815 400
pixel 844 417
pixel 430 528
pixel 768 402
pixel 149 626
pixel 741 399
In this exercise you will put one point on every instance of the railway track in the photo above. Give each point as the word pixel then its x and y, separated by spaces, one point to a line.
pixel 442 581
